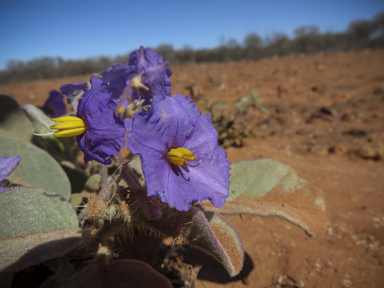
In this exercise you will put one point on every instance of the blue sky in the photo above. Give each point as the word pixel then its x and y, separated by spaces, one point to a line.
pixel 79 29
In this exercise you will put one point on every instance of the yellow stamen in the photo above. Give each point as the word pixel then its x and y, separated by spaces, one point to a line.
pixel 180 155
pixel 70 126
pixel 67 118
pixel 189 158
pixel 70 132
pixel 186 151
pixel 120 110
pixel 136 83
pixel 176 153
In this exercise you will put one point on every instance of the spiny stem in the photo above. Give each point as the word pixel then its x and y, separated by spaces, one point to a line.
pixel 130 177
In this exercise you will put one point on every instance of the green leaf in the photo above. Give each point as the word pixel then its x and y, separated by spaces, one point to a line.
pixel 258 101
pixel 255 95
pixel 206 231
pixel 269 188
pixel 33 217
pixel 31 210
pixel 220 104
pixel 77 177
pixel 39 117
pixel 14 120
pixel 214 235
pixel 242 102
pixel 27 250
pixel 36 168
pixel 41 123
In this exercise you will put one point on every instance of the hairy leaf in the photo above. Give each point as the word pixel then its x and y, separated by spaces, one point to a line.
pixel 118 274
pixel 41 123
pixel 31 210
pixel 30 217
pixel 206 231
pixel 269 188
pixel 27 250
pixel 14 120
pixel 214 235
pixel 77 177
pixel 36 168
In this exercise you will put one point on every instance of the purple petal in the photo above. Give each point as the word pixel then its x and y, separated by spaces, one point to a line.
pixel 116 76
pixel 54 106
pixel 7 165
pixel 104 135
pixel 71 89
pixel 128 123
pixel 155 77
pixel 174 122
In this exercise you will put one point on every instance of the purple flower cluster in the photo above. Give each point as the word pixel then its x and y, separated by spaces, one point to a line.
pixel 178 146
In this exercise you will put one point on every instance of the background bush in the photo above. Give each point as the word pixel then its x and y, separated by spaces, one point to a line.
pixel 360 34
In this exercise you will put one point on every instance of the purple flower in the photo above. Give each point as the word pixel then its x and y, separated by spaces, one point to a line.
pixel 178 147
pixel 99 131
pixel 54 106
pixel 104 134
pixel 71 90
pixel 148 75
pixel 7 165
pixel 116 76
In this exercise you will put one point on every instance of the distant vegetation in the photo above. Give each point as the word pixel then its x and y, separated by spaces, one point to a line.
pixel 361 34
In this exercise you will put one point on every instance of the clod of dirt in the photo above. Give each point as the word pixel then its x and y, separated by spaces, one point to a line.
pixel 288 281
pixel 324 113
pixel 369 152
pixel 355 133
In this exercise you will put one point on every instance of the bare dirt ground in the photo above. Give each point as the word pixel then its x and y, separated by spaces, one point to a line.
pixel 327 122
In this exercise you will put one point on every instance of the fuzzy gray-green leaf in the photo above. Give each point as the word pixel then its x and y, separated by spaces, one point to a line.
pixel 36 168
pixel 27 250
pixel 31 210
pixel 216 236
pixel 41 123
pixel 269 188
pixel 30 217
pixel 14 120
pixel 77 177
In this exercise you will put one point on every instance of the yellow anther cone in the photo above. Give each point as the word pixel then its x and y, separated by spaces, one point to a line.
pixel 70 126
pixel 180 155
pixel 120 110
pixel 70 132
pixel 67 118
pixel 185 151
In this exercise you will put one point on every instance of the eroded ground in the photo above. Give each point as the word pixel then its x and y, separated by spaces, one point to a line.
pixel 327 122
